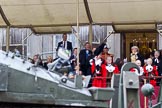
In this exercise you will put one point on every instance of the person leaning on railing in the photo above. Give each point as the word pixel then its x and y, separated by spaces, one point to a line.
pixel 37 60
pixel 73 59
pixel 49 60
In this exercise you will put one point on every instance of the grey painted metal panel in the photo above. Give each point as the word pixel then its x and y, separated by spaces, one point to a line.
pixel 159 97
pixel 115 85
pixel 131 80
pixel 132 98
pixel 23 88
pixel 3 78
pixel 125 87
pixel 84 103
pixel 78 81
pixel 102 93
pixel 27 98
pixel 131 92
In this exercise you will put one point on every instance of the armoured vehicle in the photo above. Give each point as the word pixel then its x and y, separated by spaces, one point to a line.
pixel 26 83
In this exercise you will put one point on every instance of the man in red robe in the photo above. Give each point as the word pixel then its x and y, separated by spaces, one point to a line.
pixel 99 72
pixel 111 69
pixel 151 70
pixel 98 68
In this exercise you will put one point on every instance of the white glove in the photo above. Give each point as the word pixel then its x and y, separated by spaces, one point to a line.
pixel 98 62
pixel 141 71
pixel 91 61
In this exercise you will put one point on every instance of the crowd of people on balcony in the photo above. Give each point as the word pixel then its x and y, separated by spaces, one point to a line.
pixel 99 64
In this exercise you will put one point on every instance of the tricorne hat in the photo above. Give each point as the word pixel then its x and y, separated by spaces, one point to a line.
pixel 99 49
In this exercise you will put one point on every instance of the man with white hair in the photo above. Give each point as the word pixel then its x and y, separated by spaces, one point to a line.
pixel 135 55
pixel 156 58
pixel 138 63
pixel 158 62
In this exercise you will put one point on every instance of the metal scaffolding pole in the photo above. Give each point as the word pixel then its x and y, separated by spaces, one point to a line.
pixel 23 43
pixel 7 38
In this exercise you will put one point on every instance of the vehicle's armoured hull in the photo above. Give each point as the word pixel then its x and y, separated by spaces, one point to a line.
pixel 36 87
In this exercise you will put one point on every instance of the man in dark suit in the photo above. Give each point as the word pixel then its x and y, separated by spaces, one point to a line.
pixel 84 57
pixel 157 62
pixel 65 44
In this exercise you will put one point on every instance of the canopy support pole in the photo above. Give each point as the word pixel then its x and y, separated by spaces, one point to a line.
pixel 90 34
pixel 7 29
pixel 7 38
pixel 78 45
pixel 86 5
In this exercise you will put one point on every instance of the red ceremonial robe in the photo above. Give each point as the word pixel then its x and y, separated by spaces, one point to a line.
pixel 99 80
pixel 154 73
pixel 110 74
pixel 116 71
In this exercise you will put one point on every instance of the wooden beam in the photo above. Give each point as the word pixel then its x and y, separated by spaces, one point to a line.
pixel 48 25
pixel 33 30
pixel 90 38
pixel 51 32
pixel 8 38
pixel 137 31
pixel 114 28
pixel 128 23
pixel 4 17
pixel 81 24
pixel 90 21
pixel 3 26
pixel 88 11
